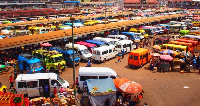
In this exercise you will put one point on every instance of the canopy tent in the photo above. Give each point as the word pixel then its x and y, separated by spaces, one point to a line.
pixel 103 87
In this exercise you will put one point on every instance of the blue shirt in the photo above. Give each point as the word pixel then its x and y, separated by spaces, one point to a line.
pixel 194 61
pixel 122 51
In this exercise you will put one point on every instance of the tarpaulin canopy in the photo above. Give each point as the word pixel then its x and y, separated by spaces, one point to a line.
pixel 101 85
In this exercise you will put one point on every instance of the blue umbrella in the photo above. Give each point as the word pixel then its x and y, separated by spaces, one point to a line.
pixel 167 51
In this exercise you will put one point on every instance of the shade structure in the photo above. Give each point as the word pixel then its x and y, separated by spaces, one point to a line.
pixel 119 81
pixel 166 57
pixel 131 87
pixel 156 47
pixel 46 44
pixel 167 51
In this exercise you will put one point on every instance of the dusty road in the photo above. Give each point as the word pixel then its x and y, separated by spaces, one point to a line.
pixel 161 89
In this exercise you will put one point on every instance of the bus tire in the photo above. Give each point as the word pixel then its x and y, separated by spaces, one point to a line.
pixel 52 69
pixel 104 60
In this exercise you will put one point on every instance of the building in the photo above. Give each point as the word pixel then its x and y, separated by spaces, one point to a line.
pixel 141 4
pixel 186 4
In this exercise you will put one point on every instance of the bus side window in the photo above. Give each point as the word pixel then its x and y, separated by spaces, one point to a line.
pixel 32 84
pixel 103 77
pixel 113 77
pixel 110 51
pixel 22 85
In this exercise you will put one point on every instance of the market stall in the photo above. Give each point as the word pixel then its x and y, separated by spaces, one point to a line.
pixel 101 91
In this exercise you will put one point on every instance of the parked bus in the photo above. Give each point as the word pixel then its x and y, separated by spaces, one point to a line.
pixel 126 45
pixel 167 46
pixel 139 57
pixel 101 54
pixel 194 43
pixel 97 43
pixel 189 45
pixel 89 46
pixel 81 50
pixel 94 73
pixel 133 36
pixel 161 40
pixel 122 37
pixel 30 83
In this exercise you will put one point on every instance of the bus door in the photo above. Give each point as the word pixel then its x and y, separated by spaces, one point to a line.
pixel 33 88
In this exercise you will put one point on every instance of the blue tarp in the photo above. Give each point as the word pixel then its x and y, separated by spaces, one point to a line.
pixel 102 84
pixel 72 2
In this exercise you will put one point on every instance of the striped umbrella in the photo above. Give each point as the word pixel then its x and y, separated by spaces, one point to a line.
pixel 131 87
pixel 167 51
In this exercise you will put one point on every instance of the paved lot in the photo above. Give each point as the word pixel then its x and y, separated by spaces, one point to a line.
pixel 162 89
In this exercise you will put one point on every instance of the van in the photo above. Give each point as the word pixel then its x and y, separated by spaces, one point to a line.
pixel 122 37
pixel 30 83
pixel 189 45
pixel 139 57
pixel 133 36
pixel 81 50
pixel 94 73
pixel 97 43
pixel 161 40
pixel 167 46
pixel 101 54
pixel 89 46
pixel 180 48
pixel 126 45
pixel 139 31
pixel 108 41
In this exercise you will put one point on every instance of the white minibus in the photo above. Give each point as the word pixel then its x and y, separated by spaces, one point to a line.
pixel 108 41
pixel 31 83
pixel 101 54
pixel 82 50
pixel 94 73
pixel 126 45
pixel 122 37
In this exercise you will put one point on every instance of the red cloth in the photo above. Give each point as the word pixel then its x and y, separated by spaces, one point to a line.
pixel 55 91
pixel 11 79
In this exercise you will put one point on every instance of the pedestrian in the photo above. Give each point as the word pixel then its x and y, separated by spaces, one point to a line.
pixel 151 67
pixel 46 90
pixel 89 63
pixel 122 53
pixel 54 91
pixel 11 81
pixel 119 59
pixel 194 63
pixel 62 89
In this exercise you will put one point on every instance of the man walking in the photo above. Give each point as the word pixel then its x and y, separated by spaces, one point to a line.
pixel 122 53
pixel 11 81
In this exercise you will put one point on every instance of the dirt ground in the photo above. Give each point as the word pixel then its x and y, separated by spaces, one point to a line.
pixel 161 89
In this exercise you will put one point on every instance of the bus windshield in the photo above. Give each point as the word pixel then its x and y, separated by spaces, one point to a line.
pixel 85 51
pixel 158 42
pixel 60 80
pixel 35 65
pixel 57 59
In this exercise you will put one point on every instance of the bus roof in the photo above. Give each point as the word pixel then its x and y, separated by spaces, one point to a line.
pixel 28 77
pixel 95 42
pixel 86 44
pixel 192 36
pixel 180 46
pixel 103 48
pixel 140 50
pixel 186 40
pixel 94 71
pixel 77 46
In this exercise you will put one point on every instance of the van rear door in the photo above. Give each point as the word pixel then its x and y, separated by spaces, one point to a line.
pixel 33 88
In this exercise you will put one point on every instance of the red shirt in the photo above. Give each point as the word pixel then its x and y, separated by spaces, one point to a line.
pixel 55 91
pixel 11 79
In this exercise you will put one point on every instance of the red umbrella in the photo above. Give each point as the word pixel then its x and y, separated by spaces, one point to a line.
pixel 119 81
pixel 131 87
pixel 46 44
pixel 166 57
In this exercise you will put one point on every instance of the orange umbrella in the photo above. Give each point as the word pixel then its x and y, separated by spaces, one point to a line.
pixel 119 81
pixel 131 87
